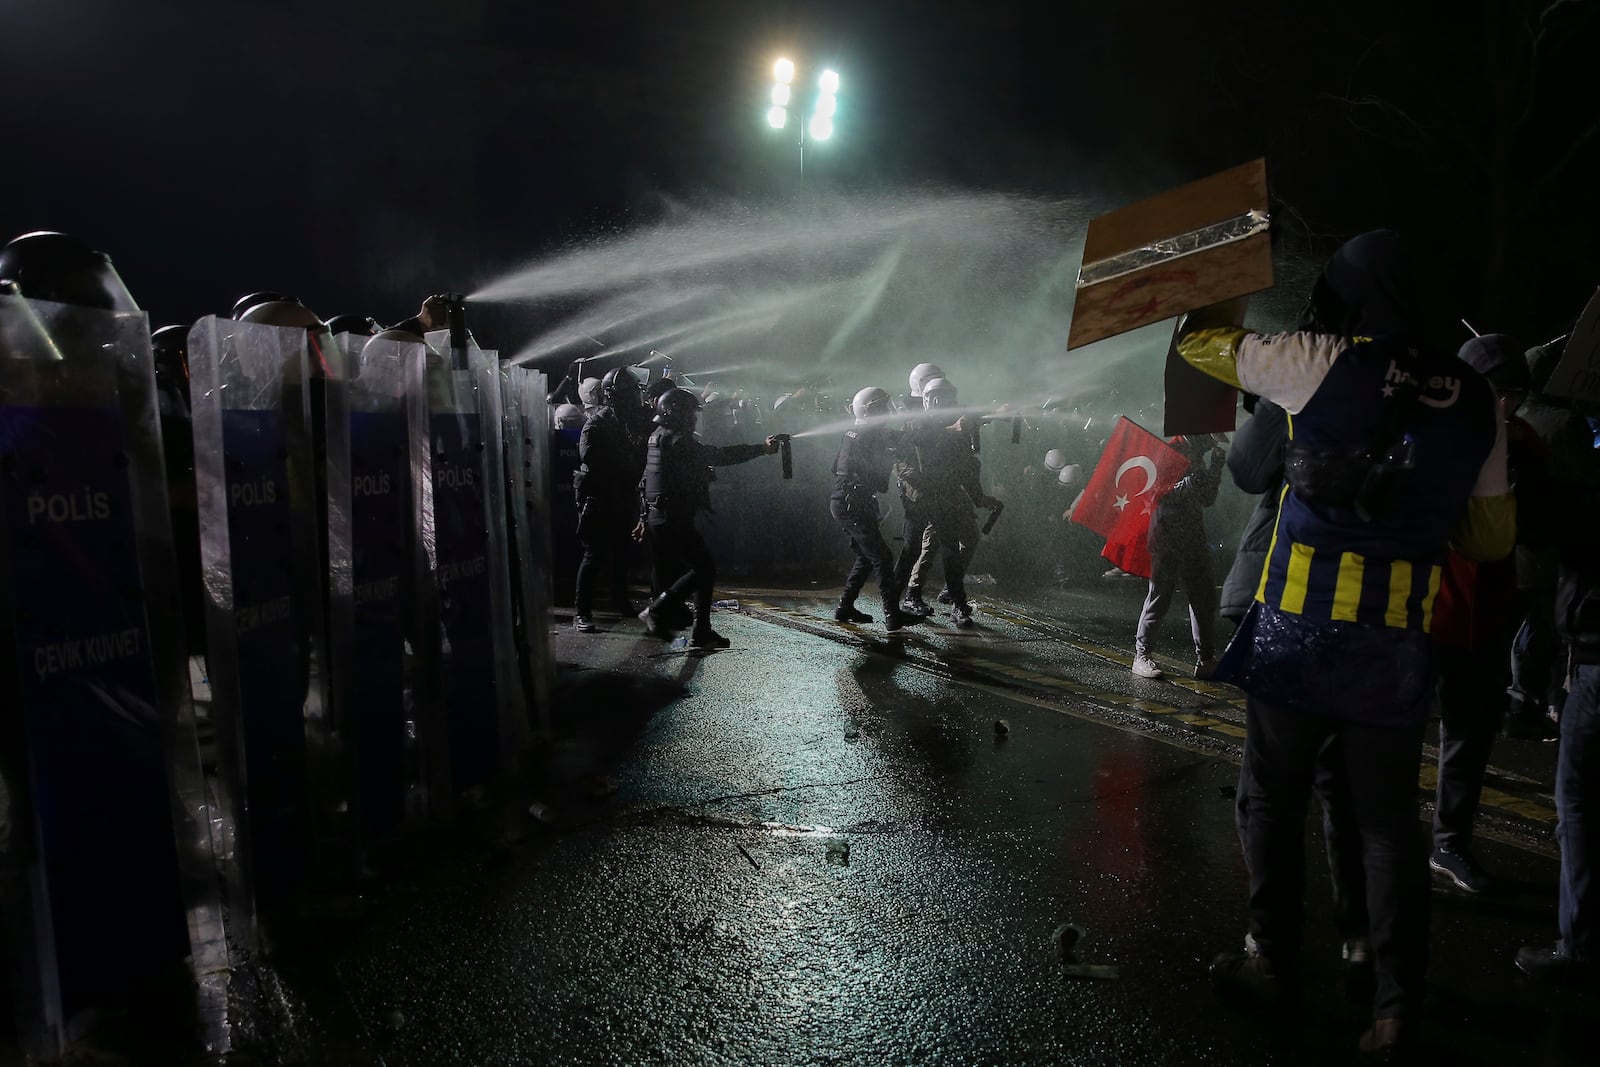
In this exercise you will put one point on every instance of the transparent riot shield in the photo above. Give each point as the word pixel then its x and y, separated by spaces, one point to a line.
pixel 527 435
pixel 105 851
pixel 370 693
pixel 472 731
pixel 261 495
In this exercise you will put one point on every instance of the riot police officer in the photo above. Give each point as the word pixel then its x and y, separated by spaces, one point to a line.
pixel 861 471
pixel 677 480
pixel 611 453
pixel 916 543
pixel 940 474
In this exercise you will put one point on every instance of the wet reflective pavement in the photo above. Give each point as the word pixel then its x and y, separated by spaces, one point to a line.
pixel 820 847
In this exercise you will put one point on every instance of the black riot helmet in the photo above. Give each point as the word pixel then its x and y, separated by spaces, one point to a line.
pixel 56 267
pixel 656 390
pixel 677 409
pixel 365 325
pixel 620 389
pixel 250 300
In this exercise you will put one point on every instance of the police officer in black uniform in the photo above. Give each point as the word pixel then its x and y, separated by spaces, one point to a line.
pixel 861 471
pixel 939 472
pixel 677 481
pixel 611 452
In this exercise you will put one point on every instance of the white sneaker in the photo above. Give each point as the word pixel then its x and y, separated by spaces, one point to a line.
pixel 1145 667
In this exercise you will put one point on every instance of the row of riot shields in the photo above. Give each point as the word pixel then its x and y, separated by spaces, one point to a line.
pixel 373 664
pixel 374 553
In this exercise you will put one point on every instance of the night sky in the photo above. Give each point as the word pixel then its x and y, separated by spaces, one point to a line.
pixel 363 153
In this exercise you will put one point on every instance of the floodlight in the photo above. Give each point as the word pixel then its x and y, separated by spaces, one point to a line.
pixel 783 71
pixel 829 82
pixel 778 118
pixel 821 128
pixel 826 105
pixel 780 95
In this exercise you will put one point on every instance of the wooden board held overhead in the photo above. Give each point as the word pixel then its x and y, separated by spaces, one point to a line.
pixel 1185 249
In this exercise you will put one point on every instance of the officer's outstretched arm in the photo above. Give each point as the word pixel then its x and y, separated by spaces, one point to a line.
pixel 1488 529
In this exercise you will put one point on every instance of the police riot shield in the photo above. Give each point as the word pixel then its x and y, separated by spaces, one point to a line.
pixel 471 731
pixel 262 500
pixel 527 435
pixel 103 832
pixel 367 631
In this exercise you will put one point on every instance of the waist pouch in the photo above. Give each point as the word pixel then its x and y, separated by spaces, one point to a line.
pixel 1369 483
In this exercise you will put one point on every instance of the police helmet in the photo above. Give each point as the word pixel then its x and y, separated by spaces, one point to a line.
pixel 1055 459
pixel 620 389
pixel 589 392
pixel 921 374
pixel 869 402
pixel 656 390
pixel 62 269
pixel 365 325
pixel 285 311
pixel 250 300
pixel 569 417
pixel 938 393
pixel 677 409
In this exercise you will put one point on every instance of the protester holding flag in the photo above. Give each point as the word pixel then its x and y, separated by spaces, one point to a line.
pixel 1180 555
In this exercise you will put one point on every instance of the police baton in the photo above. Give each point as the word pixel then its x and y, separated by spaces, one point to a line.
pixel 994 515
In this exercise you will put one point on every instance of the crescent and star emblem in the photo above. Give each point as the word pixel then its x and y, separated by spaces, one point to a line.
pixel 1144 463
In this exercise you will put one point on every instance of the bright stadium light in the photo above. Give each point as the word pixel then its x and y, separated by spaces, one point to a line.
pixel 815 109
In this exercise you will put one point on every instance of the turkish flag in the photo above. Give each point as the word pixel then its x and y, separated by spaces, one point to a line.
pixel 1135 471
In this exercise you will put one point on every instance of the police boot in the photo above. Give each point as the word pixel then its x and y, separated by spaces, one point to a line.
pixel 659 617
pixel 913 603
pixel 706 637
pixel 846 611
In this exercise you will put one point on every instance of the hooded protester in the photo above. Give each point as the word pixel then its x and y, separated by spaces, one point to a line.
pixel 1395 452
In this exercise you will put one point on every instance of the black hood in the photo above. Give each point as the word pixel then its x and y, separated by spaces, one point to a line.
pixel 1368 289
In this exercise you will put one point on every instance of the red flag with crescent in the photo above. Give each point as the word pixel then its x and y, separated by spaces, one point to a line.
pixel 1134 473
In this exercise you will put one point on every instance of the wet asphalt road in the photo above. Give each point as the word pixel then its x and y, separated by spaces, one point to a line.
pixel 819 850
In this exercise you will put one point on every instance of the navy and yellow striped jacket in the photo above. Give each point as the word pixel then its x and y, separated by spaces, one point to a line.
pixel 1326 562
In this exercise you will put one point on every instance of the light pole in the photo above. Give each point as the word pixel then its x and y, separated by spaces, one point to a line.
pixel 824 103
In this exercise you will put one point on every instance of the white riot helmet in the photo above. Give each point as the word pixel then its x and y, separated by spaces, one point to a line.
pixel 1055 459
pixel 869 402
pixel 569 417
pixel 589 391
pixel 921 375
pixel 938 393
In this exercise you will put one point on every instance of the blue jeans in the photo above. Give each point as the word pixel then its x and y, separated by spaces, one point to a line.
pixel 1578 823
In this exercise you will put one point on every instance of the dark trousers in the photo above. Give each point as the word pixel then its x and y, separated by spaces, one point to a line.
pixel 1472 705
pixel 605 531
pixel 1341 837
pixel 683 558
pixel 1578 821
pixel 858 517
pixel 1282 750
pixel 957 529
